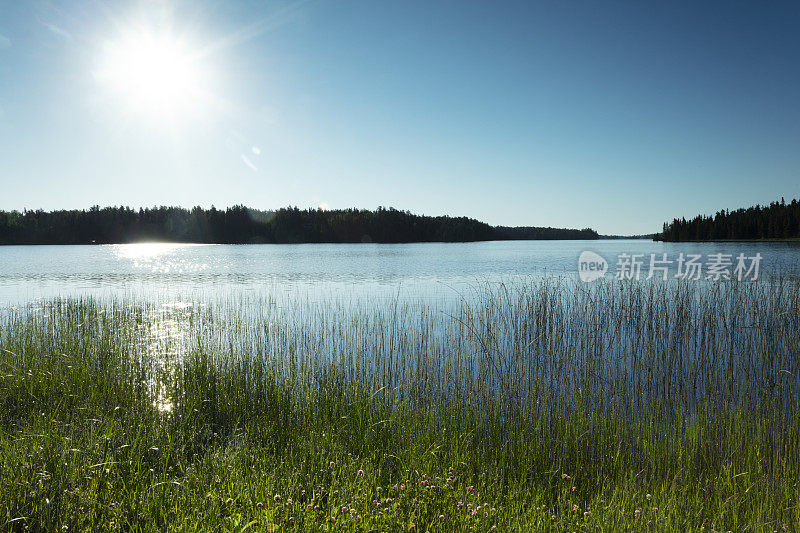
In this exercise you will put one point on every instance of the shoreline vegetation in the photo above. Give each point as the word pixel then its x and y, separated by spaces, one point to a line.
pixel 778 240
pixel 540 406
pixel 243 225
pixel 776 222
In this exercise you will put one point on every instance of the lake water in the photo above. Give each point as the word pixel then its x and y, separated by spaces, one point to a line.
pixel 398 310
pixel 159 272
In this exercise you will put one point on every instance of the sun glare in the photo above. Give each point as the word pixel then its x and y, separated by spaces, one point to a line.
pixel 146 249
pixel 157 74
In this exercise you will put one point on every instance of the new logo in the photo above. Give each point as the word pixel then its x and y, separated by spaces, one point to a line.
pixel 591 266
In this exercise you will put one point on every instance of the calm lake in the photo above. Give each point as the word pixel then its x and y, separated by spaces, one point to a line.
pixel 491 312
pixel 163 272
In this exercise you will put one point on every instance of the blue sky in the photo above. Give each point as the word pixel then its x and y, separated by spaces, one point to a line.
pixel 616 116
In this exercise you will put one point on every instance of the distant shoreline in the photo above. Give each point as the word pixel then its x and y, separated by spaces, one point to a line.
pixel 776 222
pixel 243 225
pixel 311 243
pixel 791 239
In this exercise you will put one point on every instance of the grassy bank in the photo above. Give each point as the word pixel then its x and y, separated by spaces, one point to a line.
pixel 538 406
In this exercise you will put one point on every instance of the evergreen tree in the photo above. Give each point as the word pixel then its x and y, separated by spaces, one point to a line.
pixel 778 220
pixel 240 225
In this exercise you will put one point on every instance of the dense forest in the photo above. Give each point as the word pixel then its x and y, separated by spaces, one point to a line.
pixel 778 220
pixel 240 225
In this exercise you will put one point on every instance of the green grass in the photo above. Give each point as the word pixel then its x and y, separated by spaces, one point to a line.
pixel 541 405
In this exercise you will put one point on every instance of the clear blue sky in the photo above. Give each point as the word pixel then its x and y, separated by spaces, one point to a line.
pixel 617 116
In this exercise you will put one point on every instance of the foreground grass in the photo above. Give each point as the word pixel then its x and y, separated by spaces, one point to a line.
pixel 87 441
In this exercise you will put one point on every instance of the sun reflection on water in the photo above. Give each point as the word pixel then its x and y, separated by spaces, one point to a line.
pixel 146 249
pixel 163 257
pixel 164 333
pixel 164 328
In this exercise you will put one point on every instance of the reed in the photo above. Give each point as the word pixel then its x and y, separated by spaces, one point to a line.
pixel 539 404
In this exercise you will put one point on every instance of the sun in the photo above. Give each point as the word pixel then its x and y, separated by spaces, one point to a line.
pixel 157 74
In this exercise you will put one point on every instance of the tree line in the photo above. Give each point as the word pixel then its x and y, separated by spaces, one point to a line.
pixel 243 225
pixel 778 220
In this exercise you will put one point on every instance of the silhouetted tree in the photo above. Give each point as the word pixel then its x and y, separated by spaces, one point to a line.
pixel 240 224
pixel 778 220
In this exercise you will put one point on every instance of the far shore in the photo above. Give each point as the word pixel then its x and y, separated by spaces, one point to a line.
pixel 733 240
